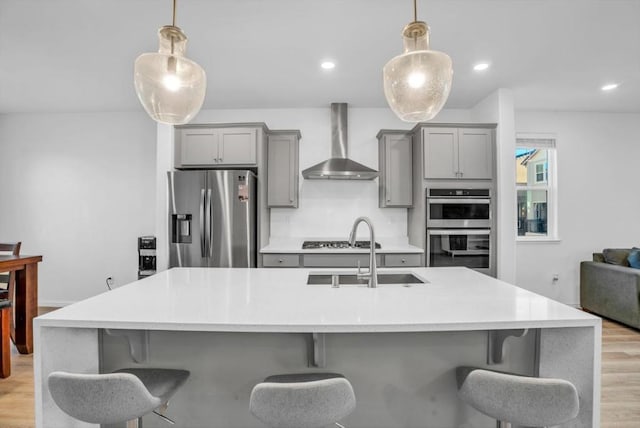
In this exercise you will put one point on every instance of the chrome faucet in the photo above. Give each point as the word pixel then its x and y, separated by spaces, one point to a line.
pixel 372 274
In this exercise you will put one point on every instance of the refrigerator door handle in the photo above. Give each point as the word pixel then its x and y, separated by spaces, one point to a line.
pixel 207 219
pixel 203 242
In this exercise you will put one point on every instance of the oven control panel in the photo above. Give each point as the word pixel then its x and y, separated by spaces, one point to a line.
pixel 466 193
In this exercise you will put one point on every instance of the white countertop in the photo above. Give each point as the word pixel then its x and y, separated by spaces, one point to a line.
pixel 279 300
pixel 294 246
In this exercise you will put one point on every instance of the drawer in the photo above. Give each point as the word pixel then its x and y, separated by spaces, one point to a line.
pixel 338 260
pixel 281 260
pixel 399 260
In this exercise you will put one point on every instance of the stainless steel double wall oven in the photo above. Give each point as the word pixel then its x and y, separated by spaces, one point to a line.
pixel 459 229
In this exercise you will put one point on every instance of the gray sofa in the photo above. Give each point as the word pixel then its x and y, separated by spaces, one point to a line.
pixel 609 287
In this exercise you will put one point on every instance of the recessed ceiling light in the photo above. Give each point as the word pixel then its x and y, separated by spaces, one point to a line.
pixel 481 66
pixel 609 86
pixel 328 65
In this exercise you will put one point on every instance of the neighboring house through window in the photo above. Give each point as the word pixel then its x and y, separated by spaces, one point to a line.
pixel 541 172
pixel 536 186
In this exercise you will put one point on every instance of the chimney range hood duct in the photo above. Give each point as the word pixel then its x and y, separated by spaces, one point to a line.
pixel 339 167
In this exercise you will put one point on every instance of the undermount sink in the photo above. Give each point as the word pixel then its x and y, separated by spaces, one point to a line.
pixel 406 279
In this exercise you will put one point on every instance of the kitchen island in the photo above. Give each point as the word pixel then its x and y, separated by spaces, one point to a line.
pixel 398 345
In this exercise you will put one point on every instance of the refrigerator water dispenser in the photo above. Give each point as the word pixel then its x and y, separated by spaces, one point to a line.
pixel 181 229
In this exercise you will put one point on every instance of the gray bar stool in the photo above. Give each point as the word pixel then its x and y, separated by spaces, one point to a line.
pixel 122 396
pixel 520 400
pixel 304 400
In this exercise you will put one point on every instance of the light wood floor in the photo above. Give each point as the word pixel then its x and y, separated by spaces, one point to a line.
pixel 620 382
pixel 620 405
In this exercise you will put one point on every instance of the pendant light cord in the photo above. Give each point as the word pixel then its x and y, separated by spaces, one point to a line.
pixel 415 19
pixel 174 13
pixel 173 24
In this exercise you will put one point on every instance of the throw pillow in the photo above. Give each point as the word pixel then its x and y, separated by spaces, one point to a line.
pixel 616 256
pixel 634 258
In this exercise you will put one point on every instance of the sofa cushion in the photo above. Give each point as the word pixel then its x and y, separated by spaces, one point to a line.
pixel 616 256
pixel 634 258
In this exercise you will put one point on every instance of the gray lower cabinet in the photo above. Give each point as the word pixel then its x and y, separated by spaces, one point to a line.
pixel 338 260
pixel 401 260
pixel 281 260
pixel 334 260
pixel 282 169
pixel 199 147
pixel 396 169
pixel 457 153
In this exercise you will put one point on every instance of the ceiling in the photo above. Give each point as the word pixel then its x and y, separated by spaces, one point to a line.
pixel 77 55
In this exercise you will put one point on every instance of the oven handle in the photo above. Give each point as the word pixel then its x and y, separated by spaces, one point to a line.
pixel 458 201
pixel 459 231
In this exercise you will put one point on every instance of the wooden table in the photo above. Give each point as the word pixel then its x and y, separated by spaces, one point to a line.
pixel 25 303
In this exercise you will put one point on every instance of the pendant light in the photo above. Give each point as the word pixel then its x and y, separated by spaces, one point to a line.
pixel 417 83
pixel 170 86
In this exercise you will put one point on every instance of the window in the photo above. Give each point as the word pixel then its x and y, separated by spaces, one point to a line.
pixel 536 187
pixel 542 170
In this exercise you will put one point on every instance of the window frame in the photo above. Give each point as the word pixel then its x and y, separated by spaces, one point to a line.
pixel 546 142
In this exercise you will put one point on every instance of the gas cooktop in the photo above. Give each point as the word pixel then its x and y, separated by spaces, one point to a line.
pixel 332 245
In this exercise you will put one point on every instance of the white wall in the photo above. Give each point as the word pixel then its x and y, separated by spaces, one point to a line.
pixel 78 189
pixel 498 108
pixel 327 208
pixel 598 196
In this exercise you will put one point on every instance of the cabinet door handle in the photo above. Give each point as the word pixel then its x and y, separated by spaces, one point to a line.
pixel 404 260
pixel 280 260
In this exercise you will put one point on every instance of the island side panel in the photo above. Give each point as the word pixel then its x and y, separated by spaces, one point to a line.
pixel 574 354
pixel 400 379
pixel 59 348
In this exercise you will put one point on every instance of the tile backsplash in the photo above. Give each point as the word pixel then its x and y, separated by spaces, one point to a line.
pixel 328 209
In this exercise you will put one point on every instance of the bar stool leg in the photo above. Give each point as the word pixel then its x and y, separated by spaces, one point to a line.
pixel 134 423
pixel 502 424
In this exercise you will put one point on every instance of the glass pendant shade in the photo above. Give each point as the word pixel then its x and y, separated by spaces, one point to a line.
pixel 417 83
pixel 170 86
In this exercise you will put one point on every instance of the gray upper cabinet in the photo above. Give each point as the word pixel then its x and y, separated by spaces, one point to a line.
pixel 206 147
pixel 198 146
pixel 457 153
pixel 475 153
pixel 282 169
pixel 396 170
pixel 440 152
pixel 237 146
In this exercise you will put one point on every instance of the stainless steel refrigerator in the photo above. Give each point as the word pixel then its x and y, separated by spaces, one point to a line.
pixel 212 218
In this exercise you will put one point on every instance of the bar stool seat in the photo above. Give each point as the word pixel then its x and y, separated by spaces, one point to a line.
pixel 520 400
pixel 304 400
pixel 122 396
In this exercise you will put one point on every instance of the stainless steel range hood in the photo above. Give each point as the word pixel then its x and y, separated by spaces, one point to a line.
pixel 339 166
